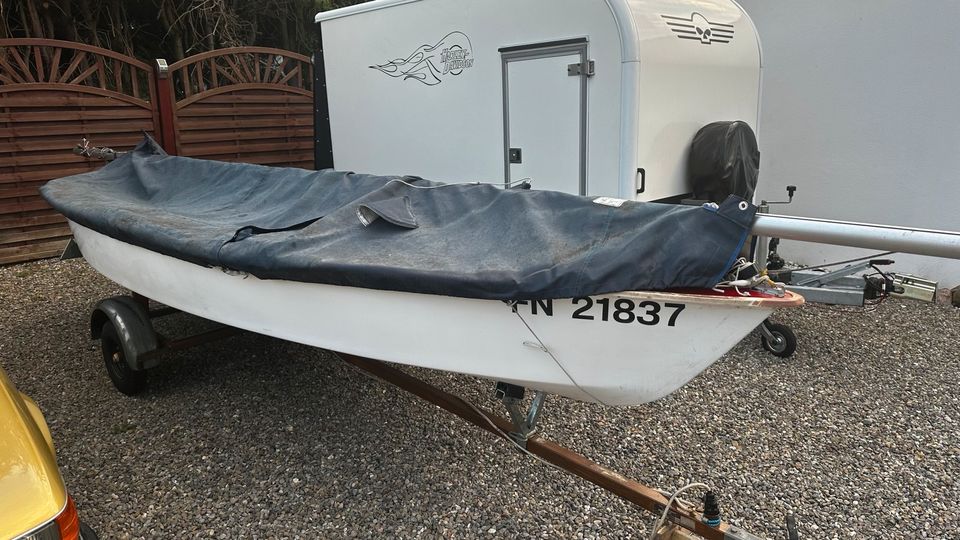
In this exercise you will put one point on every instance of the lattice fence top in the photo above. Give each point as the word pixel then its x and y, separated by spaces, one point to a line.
pixel 250 67
pixel 54 63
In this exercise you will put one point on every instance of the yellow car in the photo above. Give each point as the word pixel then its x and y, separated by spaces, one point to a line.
pixel 34 504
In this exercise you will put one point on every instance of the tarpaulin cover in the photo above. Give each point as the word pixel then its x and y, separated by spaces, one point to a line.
pixel 400 233
pixel 724 160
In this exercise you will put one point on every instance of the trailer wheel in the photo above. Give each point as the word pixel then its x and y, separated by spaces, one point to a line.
pixel 784 342
pixel 126 380
pixel 86 533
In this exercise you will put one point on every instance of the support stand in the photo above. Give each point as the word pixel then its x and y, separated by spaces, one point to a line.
pixel 524 425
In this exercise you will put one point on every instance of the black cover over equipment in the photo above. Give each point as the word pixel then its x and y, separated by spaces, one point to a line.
pixel 400 233
pixel 724 160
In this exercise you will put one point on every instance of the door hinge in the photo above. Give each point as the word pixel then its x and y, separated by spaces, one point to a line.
pixel 575 70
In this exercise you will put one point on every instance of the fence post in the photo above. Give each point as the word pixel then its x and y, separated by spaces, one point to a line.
pixel 165 104
pixel 322 138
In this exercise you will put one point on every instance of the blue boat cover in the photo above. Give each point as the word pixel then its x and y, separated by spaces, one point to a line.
pixel 401 233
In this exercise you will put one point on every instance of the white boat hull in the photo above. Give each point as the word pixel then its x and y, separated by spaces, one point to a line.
pixel 616 349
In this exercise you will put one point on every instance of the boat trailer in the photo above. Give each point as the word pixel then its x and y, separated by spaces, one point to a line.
pixel 130 346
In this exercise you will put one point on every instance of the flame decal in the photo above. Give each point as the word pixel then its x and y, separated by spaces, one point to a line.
pixel 422 64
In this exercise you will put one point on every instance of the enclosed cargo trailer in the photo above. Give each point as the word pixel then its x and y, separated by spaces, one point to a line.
pixel 591 97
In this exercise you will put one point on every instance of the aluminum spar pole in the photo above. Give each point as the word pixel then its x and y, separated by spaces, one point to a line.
pixel 929 242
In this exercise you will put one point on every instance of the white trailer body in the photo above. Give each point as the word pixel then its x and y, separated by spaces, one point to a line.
pixel 595 97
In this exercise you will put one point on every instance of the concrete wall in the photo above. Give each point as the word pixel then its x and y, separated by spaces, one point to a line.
pixel 861 111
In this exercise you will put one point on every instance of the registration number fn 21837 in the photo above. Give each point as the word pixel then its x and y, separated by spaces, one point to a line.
pixel 621 310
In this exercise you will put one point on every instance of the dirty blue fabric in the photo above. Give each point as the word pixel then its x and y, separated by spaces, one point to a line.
pixel 465 240
pixel 396 211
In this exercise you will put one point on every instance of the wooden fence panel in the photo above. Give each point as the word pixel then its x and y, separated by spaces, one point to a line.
pixel 53 93
pixel 250 104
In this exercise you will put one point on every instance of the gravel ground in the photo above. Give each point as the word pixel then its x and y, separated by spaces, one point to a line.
pixel 254 437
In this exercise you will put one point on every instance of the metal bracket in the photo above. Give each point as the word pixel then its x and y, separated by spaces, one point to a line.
pixel 765 331
pixel 84 149
pixel 575 70
pixel 828 277
pixel 790 191
pixel 524 425
pixel 915 287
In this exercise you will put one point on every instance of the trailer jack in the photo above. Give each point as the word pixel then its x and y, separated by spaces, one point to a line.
pixel 524 425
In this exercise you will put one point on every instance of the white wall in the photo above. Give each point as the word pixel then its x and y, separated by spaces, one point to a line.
pixel 861 111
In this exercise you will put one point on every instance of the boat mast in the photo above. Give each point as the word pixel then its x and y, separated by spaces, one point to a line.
pixel 929 242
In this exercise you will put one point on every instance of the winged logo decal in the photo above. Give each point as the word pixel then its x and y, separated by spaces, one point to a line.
pixel 431 64
pixel 697 27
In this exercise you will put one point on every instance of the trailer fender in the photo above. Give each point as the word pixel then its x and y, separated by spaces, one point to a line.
pixel 132 323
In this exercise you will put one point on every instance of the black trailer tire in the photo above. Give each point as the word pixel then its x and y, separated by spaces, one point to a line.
pixel 86 533
pixel 126 380
pixel 785 343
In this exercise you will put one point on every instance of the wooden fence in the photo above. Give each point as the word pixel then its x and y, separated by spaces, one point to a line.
pixel 249 104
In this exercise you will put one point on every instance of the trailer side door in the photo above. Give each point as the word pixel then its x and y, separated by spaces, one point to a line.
pixel 544 90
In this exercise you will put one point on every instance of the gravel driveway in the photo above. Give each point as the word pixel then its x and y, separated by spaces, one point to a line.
pixel 254 437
